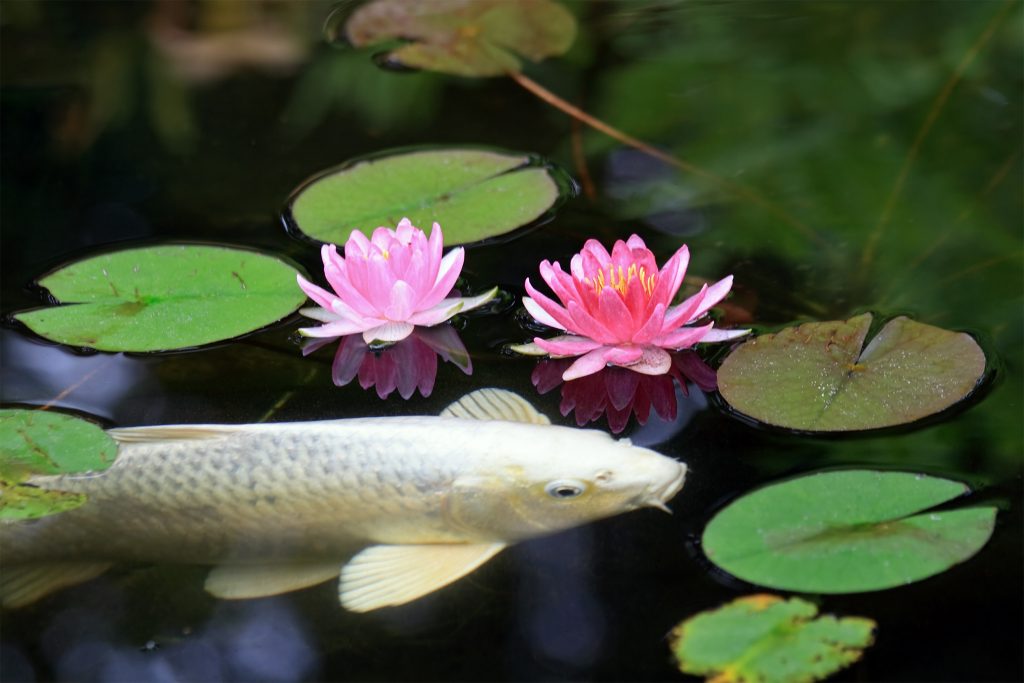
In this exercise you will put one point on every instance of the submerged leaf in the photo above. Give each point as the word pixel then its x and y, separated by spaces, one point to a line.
pixel 764 639
pixel 814 376
pixel 474 194
pixel 165 297
pixel 465 37
pixel 36 442
pixel 846 532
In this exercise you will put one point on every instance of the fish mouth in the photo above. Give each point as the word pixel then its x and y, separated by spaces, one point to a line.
pixel 657 497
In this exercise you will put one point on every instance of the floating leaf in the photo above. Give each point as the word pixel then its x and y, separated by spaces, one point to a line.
pixel 846 532
pixel 37 442
pixel 472 193
pixel 810 377
pixel 464 37
pixel 765 639
pixel 165 297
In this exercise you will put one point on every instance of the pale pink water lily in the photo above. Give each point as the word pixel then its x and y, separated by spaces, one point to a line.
pixel 387 285
pixel 616 309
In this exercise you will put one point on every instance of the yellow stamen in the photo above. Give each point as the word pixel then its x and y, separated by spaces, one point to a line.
pixel 619 280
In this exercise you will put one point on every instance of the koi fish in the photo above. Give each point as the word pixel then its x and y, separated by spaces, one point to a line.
pixel 397 507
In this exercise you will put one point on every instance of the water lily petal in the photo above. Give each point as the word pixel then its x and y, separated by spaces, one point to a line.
pixel 338 328
pixel 566 345
pixel 685 312
pixel 683 337
pixel 623 355
pixel 399 308
pixel 388 332
pixel 539 314
pixel 717 335
pixel 321 314
pixel 589 326
pixel 448 273
pixel 670 278
pixel 556 312
pixel 614 315
pixel 651 328
pixel 652 361
pixel 585 365
pixel 715 293
pixel 444 340
pixel 317 294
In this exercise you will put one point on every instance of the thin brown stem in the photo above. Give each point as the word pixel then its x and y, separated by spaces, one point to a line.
pixel 730 186
pixel 871 246
pixel 579 160
pixel 82 380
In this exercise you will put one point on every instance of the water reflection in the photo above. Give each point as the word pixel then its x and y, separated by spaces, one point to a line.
pixel 409 365
pixel 96 383
pixel 257 640
pixel 619 393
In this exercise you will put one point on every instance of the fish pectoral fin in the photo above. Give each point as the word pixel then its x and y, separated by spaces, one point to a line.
pixel 22 585
pixel 385 575
pixel 240 581
pixel 495 404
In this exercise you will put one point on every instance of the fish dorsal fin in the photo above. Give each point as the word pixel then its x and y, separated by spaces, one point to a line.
pixel 384 575
pixel 239 581
pixel 170 433
pixel 22 585
pixel 495 404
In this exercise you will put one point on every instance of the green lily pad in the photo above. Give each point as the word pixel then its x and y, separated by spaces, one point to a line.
pixel 815 377
pixel 38 442
pixel 765 639
pixel 474 194
pixel 846 532
pixel 465 38
pixel 165 297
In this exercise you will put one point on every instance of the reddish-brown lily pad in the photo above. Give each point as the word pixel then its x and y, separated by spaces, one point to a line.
pixel 465 37
pixel 815 377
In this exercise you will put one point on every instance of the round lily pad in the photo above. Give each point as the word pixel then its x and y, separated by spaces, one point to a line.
pixel 846 532
pixel 815 377
pixel 478 38
pixel 766 639
pixel 39 442
pixel 473 194
pixel 165 297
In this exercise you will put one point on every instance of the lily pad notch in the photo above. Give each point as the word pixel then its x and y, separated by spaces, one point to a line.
pixel 815 377
pixel 475 194
pixel 166 297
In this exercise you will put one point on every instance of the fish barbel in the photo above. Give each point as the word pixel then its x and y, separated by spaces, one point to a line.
pixel 278 507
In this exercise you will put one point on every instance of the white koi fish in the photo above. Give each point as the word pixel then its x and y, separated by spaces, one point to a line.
pixel 398 506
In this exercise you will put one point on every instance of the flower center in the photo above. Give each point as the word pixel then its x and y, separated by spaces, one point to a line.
pixel 619 279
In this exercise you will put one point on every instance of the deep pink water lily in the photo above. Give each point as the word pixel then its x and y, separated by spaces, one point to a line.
pixel 616 309
pixel 387 285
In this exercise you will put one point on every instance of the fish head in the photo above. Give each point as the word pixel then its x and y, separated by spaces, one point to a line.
pixel 558 480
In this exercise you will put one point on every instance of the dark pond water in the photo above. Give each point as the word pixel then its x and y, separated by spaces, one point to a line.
pixel 886 135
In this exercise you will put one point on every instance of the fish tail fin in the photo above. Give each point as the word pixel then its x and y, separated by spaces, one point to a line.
pixel 24 584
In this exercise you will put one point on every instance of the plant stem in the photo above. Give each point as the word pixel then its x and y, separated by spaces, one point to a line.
pixel 730 186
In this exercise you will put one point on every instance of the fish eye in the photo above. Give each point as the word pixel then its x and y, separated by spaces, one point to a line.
pixel 564 489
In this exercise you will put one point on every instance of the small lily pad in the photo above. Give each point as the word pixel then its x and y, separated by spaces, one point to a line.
pixel 765 639
pixel 846 532
pixel 474 194
pixel 36 442
pixel 165 297
pixel 815 377
pixel 465 38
